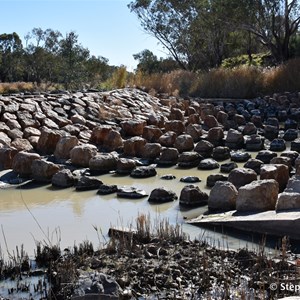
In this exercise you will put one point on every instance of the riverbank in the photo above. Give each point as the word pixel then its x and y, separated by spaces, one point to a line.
pixel 157 261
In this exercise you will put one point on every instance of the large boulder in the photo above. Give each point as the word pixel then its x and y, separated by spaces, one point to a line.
pixel 48 140
pixel 222 196
pixel 81 155
pixel 63 179
pixel 260 195
pixel 184 142
pixel 162 195
pixel 189 159
pixel 7 155
pixel 168 157
pixel 113 141
pixel 22 162
pixel 133 127
pixel 103 162
pixel 279 172
pixel 43 170
pixel 64 147
pixel 125 166
pixel 204 148
pixel 192 196
pixel 175 126
pixel 288 201
pixel 151 150
pixel 134 146
pixel 234 139
pixel 152 133
pixel 168 139
pixel 215 136
pixel 241 176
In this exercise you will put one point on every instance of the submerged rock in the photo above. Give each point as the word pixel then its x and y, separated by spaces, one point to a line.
pixel 86 183
pixel 192 196
pixel 63 179
pixel 190 179
pixel 162 195
pixel 106 189
pixel 131 192
pixel 143 172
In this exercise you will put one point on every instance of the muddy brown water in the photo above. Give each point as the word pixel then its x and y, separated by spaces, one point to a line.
pixel 68 217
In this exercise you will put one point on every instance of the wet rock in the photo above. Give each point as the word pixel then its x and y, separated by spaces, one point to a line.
pixel 191 196
pixel 190 179
pixel 168 139
pixel 195 131
pixel 277 145
pixel 134 146
pixel 215 136
pixel 265 156
pixel 133 127
pixel 162 195
pixel 175 126
pixel 64 146
pixel 86 183
pixel 213 178
pixel 222 196
pixel 184 142
pixel 125 166
pixel 271 132
pixel 227 167
pixel 168 157
pixel 260 195
pixel 254 164
pixel 189 160
pixel 143 172
pixel 254 143
pixel 295 145
pixel 151 150
pixel 22 162
pixel 221 153
pixel 152 133
pixel 278 172
pixel 48 140
pixel 240 156
pixel 241 176
pixel 63 179
pixel 168 177
pixel 290 124
pixel 7 155
pixel 249 129
pixel 103 162
pixel 113 141
pixel 204 148
pixel 290 135
pixel 208 164
pixel 106 189
pixel 43 171
pixel 81 155
pixel 234 139
pixel 131 192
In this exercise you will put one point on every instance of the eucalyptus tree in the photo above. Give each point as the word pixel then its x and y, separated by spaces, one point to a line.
pixel 11 63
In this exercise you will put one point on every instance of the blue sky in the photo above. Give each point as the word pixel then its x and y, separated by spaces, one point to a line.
pixel 105 27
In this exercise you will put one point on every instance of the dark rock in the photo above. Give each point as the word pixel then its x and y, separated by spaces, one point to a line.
pixel 254 143
pixel 168 177
pixel 277 145
pixel 143 172
pixel 295 145
pixel 290 134
pixel 234 139
pixel 192 196
pixel 204 148
pixel 168 139
pixel 254 164
pixel 190 179
pixel 291 154
pixel 213 178
pixel 221 153
pixel 162 195
pixel 125 166
pixel 265 156
pixel 184 142
pixel 168 157
pixel 240 156
pixel 189 159
pixel 106 189
pixel 86 183
pixel 227 167
pixel 151 150
pixel 215 136
pixel 241 176
pixel 208 164
pixel 103 162
pixel 134 146
pixel 63 179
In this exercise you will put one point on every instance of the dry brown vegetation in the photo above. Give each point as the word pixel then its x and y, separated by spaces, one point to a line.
pixel 238 82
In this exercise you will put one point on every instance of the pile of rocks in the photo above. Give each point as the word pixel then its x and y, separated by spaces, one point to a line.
pixel 47 136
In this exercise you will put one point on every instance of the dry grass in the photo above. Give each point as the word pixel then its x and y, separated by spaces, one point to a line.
pixel 238 82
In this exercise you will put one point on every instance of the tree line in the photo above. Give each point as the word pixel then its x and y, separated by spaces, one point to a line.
pixel 48 56
pixel 200 34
